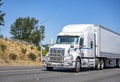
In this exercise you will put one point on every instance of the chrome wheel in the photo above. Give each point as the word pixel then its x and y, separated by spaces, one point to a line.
pixel 77 65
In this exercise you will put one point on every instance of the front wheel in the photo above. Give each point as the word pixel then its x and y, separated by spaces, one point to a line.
pixel 49 68
pixel 77 65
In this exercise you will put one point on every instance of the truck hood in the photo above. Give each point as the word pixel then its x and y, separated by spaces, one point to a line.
pixel 65 46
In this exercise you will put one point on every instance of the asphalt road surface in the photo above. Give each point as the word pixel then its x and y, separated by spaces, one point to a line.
pixel 39 74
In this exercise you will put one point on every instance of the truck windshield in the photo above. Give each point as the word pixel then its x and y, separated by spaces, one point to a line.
pixel 67 39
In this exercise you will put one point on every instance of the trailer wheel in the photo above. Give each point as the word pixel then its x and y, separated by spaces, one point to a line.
pixel 77 65
pixel 118 63
pixel 49 68
pixel 102 64
pixel 98 65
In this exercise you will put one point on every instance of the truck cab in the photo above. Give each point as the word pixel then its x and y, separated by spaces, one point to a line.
pixel 74 48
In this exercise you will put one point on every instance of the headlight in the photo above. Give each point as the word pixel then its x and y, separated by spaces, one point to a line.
pixel 69 57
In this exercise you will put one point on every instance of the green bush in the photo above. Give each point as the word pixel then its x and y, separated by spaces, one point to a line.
pixel 32 47
pixel 13 56
pixel 6 61
pixel 38 48
pixel 32 56
pixel 24 50
pixel 44 52
pixel 3 47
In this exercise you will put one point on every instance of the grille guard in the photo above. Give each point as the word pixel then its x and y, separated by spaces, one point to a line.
pixel 56 58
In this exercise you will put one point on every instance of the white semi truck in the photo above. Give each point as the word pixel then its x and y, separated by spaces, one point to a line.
pixel 84 45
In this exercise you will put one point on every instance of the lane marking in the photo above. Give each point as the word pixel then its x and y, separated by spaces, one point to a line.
pixel 18 70
pixel 82 73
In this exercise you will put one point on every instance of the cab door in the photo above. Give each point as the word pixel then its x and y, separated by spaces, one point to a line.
pixel 89 44
pixel 90 48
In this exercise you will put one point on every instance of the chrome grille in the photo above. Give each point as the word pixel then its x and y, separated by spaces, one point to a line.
pixel 57 50
pixel 57 55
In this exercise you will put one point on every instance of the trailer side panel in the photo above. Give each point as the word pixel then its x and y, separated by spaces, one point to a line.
pixel 109 43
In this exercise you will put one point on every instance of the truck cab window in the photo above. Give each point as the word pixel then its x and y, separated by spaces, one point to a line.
pixel 81 42
pixel 67 39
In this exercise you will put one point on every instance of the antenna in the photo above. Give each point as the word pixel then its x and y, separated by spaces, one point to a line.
pixel 46 20
pixel 41 59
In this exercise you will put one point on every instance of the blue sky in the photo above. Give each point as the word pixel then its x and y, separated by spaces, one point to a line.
pixel 62 12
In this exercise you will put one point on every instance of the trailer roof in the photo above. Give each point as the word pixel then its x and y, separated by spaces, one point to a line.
pixel 77 28
pixel 109 30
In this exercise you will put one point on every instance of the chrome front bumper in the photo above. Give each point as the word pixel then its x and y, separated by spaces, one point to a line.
pixel 60 65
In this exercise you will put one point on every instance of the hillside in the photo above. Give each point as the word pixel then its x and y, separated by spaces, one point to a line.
pixel 18 53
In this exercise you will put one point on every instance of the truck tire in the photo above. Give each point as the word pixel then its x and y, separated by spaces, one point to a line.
pixel 49 68
pixel 118 63
pixel 97 67
pixel 102 64
pixel 77 65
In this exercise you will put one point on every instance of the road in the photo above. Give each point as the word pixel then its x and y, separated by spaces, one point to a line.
pixel 39 74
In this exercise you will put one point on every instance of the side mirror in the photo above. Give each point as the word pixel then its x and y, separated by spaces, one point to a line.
pixel 52 42
pixel 91 44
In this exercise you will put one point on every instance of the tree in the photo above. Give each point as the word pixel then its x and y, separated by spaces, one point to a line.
pixel 2 14
pixel 27 29
pixel 37 35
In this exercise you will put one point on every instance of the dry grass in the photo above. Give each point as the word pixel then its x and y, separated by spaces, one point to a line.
pixel 16 48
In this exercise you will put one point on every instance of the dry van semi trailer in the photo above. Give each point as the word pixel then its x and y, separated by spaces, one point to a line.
pixel 84 45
